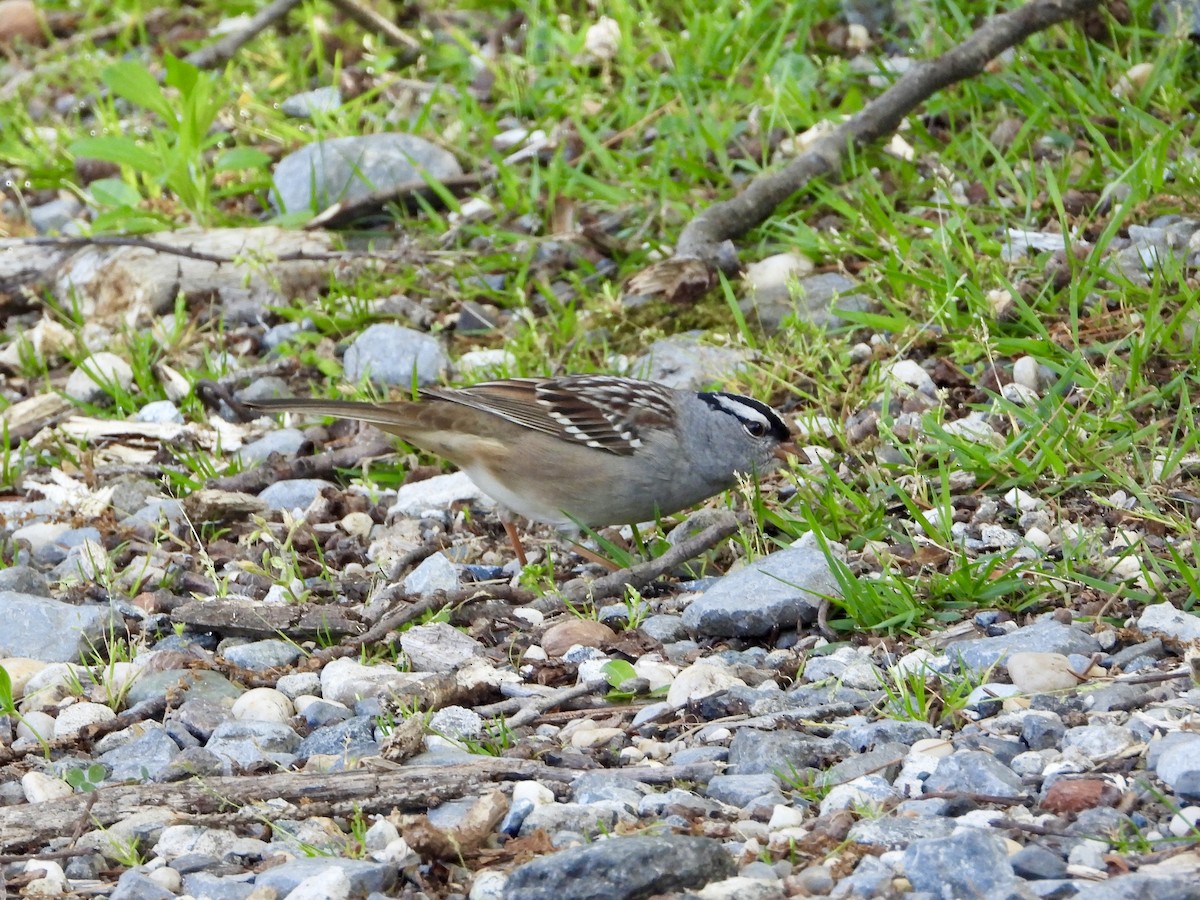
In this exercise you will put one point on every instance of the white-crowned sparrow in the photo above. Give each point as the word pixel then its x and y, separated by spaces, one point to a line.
pixel 592 449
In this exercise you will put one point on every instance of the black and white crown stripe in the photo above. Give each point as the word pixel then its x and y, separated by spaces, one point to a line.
pixel 749 411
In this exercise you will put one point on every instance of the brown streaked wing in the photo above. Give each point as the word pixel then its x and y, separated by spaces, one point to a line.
pixel 514 399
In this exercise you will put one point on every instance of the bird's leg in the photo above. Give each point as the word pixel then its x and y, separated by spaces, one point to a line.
pixel 515 539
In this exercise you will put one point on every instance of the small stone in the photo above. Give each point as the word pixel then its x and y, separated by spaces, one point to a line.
pixel 436 573
pixel 1026 373
pixel 704 677
pixel 39 788
pixel 909 374
pixel 438 647
pixel 391 355
pixel 561 637
pixel 318 101
pixel 263 705
pixel 98 374
pixel 77 717
pixel 1040 673
pixel 1164 619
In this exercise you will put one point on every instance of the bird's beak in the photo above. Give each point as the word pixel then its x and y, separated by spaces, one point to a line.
pixel 785 450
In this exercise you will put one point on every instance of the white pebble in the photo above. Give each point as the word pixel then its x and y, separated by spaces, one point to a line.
pixel 263 705
pixel 39 788
pixel 1038 538
pixel 75 718
pixel 1025 372
pixel 96 374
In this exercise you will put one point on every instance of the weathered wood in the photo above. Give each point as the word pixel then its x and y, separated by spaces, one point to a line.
pixel 408 790
pixel 412 789
pixel 236 617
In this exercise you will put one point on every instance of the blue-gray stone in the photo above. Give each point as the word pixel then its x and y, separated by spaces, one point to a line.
pixel 50 630
pixel 318 100
pixel 249 743
pixel 147 757
pixel 134 885
pixel 353 738
pixel 778 591
pixel 284 441
pixel 258 656
pixel 353 168
pixel 975 772
pixel 622 867
pixel 162 412
pixel 293 493
pixel 1045 636
pixel 195 683
pixel 24 580
pixel 365 877
pixel 392 355
pixel 970 863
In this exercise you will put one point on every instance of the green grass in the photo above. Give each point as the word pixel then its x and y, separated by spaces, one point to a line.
pixel 689 107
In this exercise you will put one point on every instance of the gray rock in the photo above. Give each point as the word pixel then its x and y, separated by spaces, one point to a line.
pixel 871 878
pixel 134 885
pixel 684 361
pixel 778 591
pixel 622 867
pixel 976 772
pixel 1098 742
pixel 588 819
pixel 896 834
pixel 971 863
pixel 218 887
pixel 352 168
pixel 55 215
pixel 159 411
pixel 753 752
pixel 353 739
pixel 147 757
pixel 885 760
pixel 258 656
pixel 319 100
pixel 393 355
pixel 436 573
pixel 1046 636
pixel 249 743
pixel 1042 731
pixel 293 493
pixel 320 713
pixel 24 580
pixel 438 647
pixel 1178 767
pixel 284 441
pixel 741 790
pixel 1035 862
pixel 864 737
pixel 1136 886
pixel 1165 620
pixel 594 787
pixel 195 684
pixel 49 630
pixel 815 299
pixel 96 375
pixel 456 722
pixel 664 628
pixel 365 877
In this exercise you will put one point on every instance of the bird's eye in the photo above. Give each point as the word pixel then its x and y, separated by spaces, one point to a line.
pixel 755 429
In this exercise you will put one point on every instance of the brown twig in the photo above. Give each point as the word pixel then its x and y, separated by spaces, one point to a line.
pixel 372 21
pixel 706 235
pixel 221 51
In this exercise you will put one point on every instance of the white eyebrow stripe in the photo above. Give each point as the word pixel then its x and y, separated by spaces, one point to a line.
pixel 742 411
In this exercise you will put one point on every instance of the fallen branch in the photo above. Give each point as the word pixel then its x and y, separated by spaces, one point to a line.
pixel 221 51
pixel 706 237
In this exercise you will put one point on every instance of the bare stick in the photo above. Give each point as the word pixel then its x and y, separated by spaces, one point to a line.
pixel 221 51
pixel 704 235
pixel 372 21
